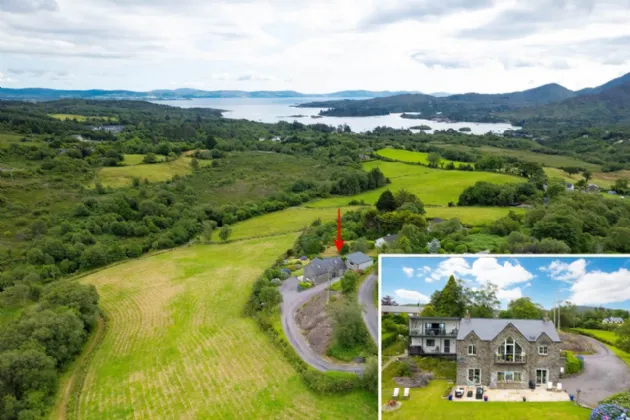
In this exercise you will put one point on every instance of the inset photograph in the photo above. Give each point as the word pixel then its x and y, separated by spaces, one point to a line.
pixel 546 334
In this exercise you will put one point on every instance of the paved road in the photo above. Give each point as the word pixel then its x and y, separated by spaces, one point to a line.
pixel 291 301
pixel 604 374
pixel 366 299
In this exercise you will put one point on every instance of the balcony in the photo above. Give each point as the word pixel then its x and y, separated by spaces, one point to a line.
pixel 510 359
pixel 432 332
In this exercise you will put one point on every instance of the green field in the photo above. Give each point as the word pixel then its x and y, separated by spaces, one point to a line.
pixel 133 159
pixel 432 186
pixel 81 118
pixel 555 161
pixel 178 346
pixel 288 220
pixel 411 157
pixel 427 403
pixel 122 176
pixel 474 216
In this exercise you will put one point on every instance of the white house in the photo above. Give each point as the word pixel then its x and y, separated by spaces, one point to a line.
pixel 570 187
pixel 612 320
pixel 358 261
pixel 385 240
pixel 433 335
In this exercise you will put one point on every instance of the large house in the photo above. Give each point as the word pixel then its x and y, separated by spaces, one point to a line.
pixel 321 270
pixel 385 240
pixel 612 320
pixel 358 261
pixel 508 353
pixel 497 353
pixel 433 335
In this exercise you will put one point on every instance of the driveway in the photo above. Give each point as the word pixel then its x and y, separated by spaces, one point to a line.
pixel 366 299
pixel 291 301
pixel 604 374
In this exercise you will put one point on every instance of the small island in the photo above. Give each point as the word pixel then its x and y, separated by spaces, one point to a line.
pixel 421 127
pixel 465 129
pixel 413 116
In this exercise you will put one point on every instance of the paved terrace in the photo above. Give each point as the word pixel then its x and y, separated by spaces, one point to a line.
pixel 540 394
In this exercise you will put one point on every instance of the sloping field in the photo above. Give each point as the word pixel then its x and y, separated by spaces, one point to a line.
pixel 555 161
pixel 177 345
pixel 288 220
pixel 411 157
pixel 475 216
pixel 122 176
pixel 432 186
pixel 605 180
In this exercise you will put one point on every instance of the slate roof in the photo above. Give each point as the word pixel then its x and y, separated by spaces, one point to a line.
pixel 358 258
pixel 487 328
pixel 613 319
pixel 320 266
pixel 389 238
pixel 401 309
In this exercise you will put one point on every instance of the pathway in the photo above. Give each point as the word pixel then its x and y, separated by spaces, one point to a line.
pixel 604 374
pixel 292 300
pixel 366 299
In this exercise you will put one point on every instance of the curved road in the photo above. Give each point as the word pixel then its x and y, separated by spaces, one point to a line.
pixel 604 374
pixel 366 299
pixel 291 301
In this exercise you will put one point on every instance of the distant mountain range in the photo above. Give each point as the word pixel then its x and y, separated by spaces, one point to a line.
pixel 547 104
pixel 41 94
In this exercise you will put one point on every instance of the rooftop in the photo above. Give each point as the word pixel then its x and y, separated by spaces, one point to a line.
pixel 358 258
pixel 488 328
pixel 402 309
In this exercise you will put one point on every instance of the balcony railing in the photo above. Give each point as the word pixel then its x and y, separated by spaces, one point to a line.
pixel 432 332
pixel 509 358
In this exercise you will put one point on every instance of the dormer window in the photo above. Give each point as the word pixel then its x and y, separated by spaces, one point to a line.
pixel 472 350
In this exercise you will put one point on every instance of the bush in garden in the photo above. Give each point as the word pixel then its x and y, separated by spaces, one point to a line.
pixel 609 412
pixel 621 399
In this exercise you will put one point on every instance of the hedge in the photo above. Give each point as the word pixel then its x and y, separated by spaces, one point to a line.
pixel 573 364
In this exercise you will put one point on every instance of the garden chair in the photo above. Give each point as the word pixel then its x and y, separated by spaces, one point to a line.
pixel 406 394
pixel 395 394
pixel 559 387
pixel 549 386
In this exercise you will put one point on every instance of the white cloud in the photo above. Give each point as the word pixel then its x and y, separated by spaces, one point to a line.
pixel 408 271
pixel 290 45
pixel 597 287
pixel 528 284
pixel 482 270
pixel 410 296
pixel 5 79
pixel 567 272
pixel 507 295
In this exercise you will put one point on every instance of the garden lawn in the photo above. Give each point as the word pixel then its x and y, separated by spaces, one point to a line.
pixel 122 176
pixel 427 403
pixel 177 344
pixel 411 157
pixel 283 221
pixel 432 186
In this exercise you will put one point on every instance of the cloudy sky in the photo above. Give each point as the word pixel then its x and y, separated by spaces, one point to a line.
pixel 313 46
pixel 598 281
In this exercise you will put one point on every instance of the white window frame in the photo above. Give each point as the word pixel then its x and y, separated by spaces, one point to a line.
pixel 545 352
pixel 478 382
pixel 536 376
pixel 511 375
pixel 474 350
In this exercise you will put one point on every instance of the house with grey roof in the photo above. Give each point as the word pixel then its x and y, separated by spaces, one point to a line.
pixel 387 240
pixel 324 269
pixel 433 336
pixel 358 261
pixel 612 320
pixel 508 353
pixel 401 309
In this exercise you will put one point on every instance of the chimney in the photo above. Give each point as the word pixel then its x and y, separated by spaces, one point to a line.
pixel 546 317
pixel 467 315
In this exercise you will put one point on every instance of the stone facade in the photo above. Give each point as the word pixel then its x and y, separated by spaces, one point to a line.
pixel 486 360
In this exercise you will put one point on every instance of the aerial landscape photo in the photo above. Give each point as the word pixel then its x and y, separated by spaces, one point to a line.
pixel 552 332
pixel 194 197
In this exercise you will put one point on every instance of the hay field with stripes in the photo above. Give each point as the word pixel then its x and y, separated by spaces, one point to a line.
pixel 178 347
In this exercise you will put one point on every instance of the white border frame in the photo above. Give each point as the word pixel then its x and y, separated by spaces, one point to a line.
pixel 443 256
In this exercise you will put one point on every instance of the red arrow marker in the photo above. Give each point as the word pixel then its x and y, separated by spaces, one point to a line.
pixel 339 241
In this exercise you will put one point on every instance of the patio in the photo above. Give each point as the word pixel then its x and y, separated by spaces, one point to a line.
pixel 540 394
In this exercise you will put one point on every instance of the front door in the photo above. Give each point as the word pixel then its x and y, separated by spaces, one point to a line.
pixel 447 346
pixel 541 376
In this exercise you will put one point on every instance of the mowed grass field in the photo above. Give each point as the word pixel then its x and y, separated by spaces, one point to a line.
pixel 554 161
pixel 411 157
pixel 475 216
pixel 427 403
pixel 432 186
pixel 178 346
pixel 81 118
pixel 288 220
pixel 122 176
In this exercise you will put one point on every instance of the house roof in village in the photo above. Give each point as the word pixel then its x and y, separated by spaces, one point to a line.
pixel 487 328
pixel 389 238
pixel 613 319
pixel 358 258
pixel 320 266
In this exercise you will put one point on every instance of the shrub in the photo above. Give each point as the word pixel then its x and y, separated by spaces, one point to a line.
pixel 304 285
pixel 404 369
pixel 608 412
pixel 573 364
pixel 621 399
